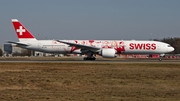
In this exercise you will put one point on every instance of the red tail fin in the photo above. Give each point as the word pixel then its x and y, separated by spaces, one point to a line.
pixel 22 33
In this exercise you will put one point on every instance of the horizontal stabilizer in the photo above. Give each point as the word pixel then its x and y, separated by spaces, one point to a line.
pixel 17 43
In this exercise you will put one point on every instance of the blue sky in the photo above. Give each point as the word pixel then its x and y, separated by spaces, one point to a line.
pixel 92 19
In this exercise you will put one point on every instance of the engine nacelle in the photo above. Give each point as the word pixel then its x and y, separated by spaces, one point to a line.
pixel 108 53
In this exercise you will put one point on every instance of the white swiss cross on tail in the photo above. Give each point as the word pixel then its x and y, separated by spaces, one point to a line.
pixel 22 33
pixel 21 30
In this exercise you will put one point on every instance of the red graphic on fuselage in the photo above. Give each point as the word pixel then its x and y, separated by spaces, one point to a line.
pixel 106 44
pixel 73 48
pixel 142 46
pixel 117 45
pixel 120 47
pixel 91 42
pixel 54 42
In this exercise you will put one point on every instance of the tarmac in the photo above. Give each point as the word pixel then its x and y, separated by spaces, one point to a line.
pixel 80 60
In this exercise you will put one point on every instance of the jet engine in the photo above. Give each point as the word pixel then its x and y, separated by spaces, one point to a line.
pixel 108 53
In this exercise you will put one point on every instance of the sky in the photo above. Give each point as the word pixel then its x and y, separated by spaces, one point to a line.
pixel 92 19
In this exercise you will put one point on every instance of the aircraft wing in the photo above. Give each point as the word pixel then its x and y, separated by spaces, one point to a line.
pixel 83 47
pixel 17 43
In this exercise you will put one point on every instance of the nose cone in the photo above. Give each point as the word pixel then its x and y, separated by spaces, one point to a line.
pixel 170 49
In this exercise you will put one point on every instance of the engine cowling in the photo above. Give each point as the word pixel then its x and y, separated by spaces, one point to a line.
pixel 108 53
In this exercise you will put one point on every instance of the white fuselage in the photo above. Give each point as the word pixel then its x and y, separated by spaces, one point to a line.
pixel 105 48
pixel 121 46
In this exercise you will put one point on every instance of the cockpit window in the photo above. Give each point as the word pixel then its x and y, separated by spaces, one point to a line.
pixel 169 45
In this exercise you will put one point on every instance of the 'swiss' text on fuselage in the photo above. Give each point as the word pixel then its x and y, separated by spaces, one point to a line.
pixel 142 46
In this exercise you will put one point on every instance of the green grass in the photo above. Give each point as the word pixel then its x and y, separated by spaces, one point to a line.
pixel 89 82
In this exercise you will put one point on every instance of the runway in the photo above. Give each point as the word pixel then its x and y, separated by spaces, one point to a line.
pixel 80 60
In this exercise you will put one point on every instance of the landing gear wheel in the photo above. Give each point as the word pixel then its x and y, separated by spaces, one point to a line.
pixel 86 58
pixel 93 58
pixel 160 59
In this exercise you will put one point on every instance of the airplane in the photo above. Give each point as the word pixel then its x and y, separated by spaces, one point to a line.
pixel 104 48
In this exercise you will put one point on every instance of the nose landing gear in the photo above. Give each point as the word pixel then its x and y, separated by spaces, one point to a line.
pixel 161 56
pixel 160 59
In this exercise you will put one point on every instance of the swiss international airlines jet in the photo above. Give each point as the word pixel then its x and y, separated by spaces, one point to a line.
pixel 105 48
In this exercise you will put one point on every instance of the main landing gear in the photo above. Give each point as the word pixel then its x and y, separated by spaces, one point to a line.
pixel 89 56
pixel 161 56
pixel 86 58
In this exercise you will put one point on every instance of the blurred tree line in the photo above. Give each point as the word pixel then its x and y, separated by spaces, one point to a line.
pixel 174 42
pixel 1 52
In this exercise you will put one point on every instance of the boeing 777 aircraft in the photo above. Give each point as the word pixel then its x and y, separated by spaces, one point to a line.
pixel 105 48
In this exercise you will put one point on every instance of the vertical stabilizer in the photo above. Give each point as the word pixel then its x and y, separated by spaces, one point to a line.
pixel 22 33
